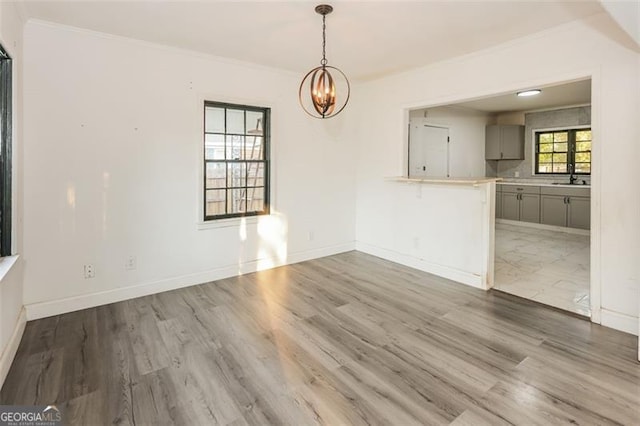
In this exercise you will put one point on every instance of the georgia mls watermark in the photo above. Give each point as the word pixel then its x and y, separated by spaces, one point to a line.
pixel 30 415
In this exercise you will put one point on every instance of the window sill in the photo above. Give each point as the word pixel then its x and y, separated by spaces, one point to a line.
pixel 229 223
pixel 6 263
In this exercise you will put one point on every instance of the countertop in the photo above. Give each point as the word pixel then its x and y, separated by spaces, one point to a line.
pixel 483 179
pixel 446 180
pixel 551 184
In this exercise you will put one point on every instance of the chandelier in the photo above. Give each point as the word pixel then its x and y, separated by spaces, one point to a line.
pixel 327 94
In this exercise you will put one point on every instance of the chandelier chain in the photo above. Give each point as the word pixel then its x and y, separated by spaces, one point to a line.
pixel 324 40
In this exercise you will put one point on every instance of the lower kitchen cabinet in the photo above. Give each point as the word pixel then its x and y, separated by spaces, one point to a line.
pixel 521 203
pixel 553 210
pixel 569 207
pixel 530 208
pixel 549 205
pixel 579 212
pixel 510 206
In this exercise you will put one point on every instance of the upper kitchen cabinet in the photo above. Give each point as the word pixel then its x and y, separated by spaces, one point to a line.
pixel 504 142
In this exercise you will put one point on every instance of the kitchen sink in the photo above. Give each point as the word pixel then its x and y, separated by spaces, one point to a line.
pixel 572 184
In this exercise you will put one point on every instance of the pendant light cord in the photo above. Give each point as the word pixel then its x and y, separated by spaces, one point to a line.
pixel 323 62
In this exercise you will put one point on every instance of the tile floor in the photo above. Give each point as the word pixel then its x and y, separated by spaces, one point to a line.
pixel 549 267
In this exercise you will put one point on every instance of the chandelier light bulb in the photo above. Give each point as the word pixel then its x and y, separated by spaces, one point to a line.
pixel 323 92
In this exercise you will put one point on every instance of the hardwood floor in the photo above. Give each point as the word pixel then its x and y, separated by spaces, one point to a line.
pixel 347 339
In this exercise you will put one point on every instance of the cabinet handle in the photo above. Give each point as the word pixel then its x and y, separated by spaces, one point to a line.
pixel 501 154
pixel 568 200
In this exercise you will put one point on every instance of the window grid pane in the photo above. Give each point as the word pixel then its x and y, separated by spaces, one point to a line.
pixel 214 120
pixel 215 202
pixel 236 160
pixel 560 136
pixel 216 175
pixel 583 135
pixel 583 146
pixel 214 147
pixel 545 147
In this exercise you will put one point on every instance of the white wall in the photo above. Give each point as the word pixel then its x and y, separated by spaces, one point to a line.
pixel 626 14
pixel 112 169
pixel 466 134
pixel 573 51
pixel 12 318
pixel 433 215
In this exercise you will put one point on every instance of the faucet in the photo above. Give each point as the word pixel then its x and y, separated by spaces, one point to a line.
pixel 572 179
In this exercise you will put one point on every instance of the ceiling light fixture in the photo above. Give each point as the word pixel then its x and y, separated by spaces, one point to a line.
pixel 531 92
pixel 325 90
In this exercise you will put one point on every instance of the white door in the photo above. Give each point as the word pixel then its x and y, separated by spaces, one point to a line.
pixel 428 150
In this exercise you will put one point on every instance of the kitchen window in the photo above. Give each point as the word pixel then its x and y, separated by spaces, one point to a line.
pixel 236 160
pixel 563 152
pixel 5 152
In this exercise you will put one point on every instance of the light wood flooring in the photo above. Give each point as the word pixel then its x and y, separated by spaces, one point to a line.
pixel 347 339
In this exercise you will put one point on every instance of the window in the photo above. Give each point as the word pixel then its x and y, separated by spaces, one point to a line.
pixel 236 160
pixel 5 152
pixel 563 152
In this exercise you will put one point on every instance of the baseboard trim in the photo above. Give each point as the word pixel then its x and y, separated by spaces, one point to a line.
pixel 618 321
pixel 453 274
pixel 9 352
pixel 84 301
pixel 566 230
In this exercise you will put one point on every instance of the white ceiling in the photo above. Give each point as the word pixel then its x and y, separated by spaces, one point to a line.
pixel 574 93
pixel 365 39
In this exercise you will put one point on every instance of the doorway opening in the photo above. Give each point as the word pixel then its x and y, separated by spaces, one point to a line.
pixel 540 148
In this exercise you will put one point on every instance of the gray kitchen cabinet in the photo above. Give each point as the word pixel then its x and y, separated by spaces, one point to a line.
pixel 553 210
pixel 530 208
pixel 498 201
pixel 563 206
pixel 521 203
pixel 510 206
pixel 579 212
pixel 492 149
pixel 504 142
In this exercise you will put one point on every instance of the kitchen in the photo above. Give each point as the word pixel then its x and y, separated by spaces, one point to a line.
pixel 539 149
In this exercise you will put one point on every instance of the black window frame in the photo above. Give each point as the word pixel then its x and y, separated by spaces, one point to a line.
pixel 266 140
pixel 571 150
pixel 6 128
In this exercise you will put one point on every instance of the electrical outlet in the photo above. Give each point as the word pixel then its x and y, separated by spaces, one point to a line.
pixel 131 263
pixel 311 236
pixel 89 271
pixel 516 174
